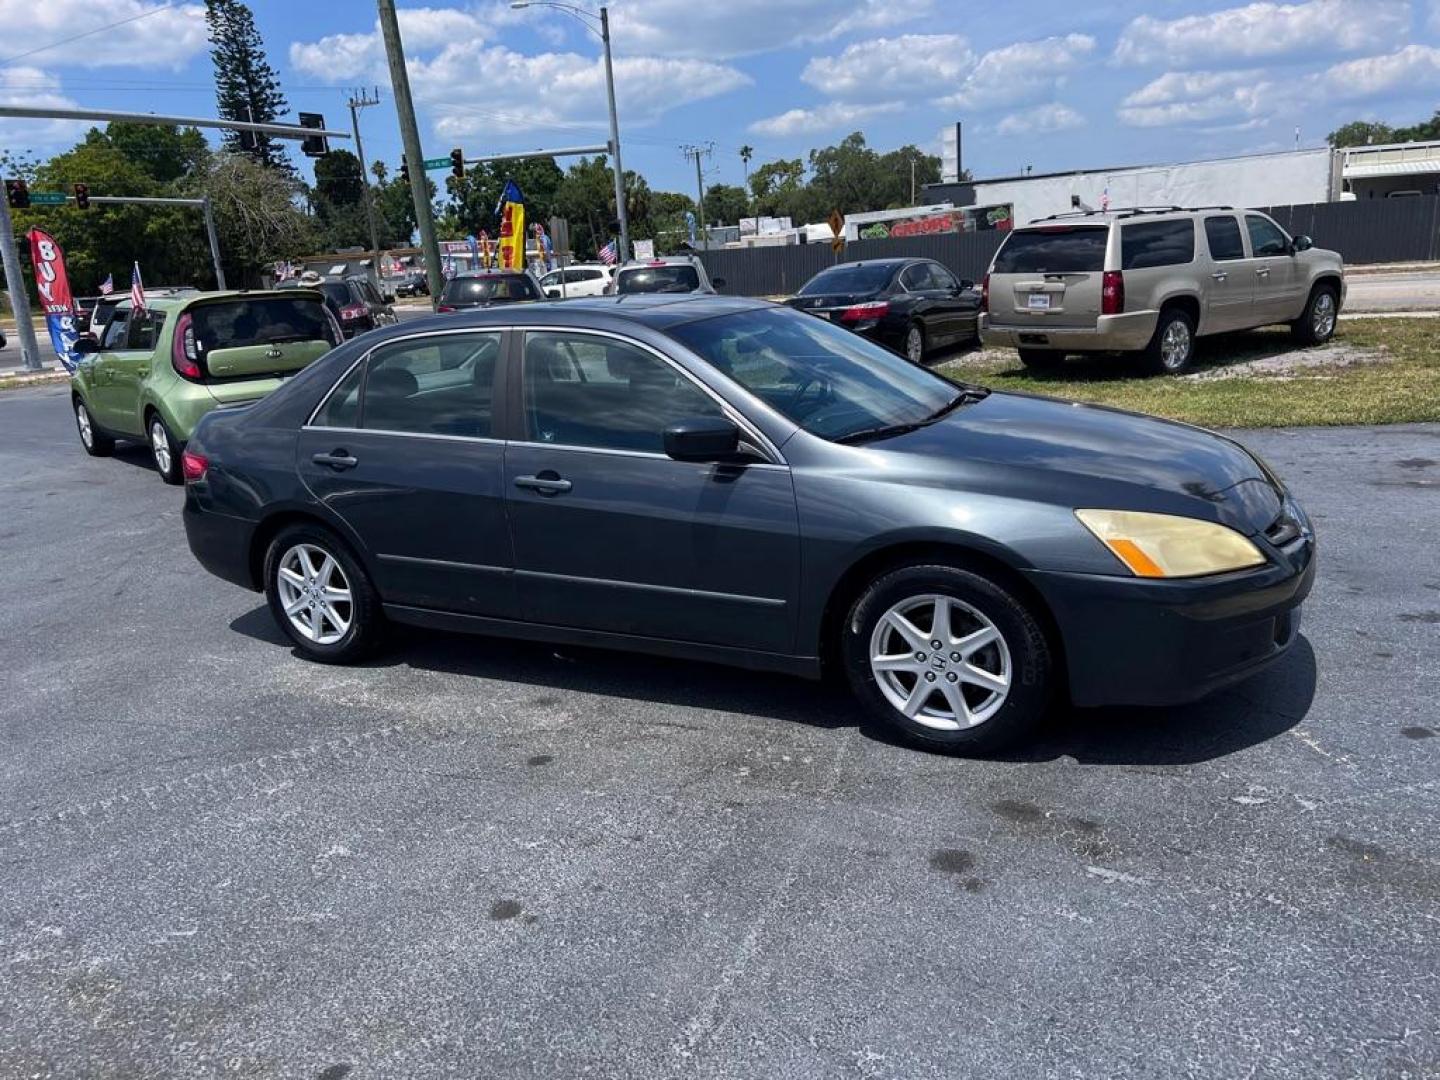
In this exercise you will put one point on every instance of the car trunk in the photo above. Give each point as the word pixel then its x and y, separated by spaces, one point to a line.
pixel 249 339
pixel 1049 277
pixel 826 305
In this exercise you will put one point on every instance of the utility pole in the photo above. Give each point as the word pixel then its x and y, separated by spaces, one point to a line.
pixel 356 104
pixel 19 300
pixel 210 234
pixel 912 176
pixel 410 139
pixel 620 210
pixel 696 152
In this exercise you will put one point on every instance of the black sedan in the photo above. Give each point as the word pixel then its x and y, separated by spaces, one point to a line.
pixel 914 306
pixel 728 480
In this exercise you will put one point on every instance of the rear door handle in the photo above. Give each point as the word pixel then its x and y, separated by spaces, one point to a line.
pixel 337 460
pixel 1220 275
pixel 1263 272
pixel 545 485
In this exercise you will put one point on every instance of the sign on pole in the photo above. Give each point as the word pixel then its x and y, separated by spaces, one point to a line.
pixel 436 163
pixel 644 249
pixel 837 227
pixel 47 198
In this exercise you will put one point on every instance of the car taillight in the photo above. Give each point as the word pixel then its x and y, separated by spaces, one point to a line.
pixel 1112 293
pixel 985 293
pixel 871 309
pixel 350 312
pixel 443 308
pixel 185 350
pixel 193 466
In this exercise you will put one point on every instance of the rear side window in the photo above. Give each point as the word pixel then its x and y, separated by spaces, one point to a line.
pixel 1059 249
pixel 1157 243
pixel 342 407
pixel 260 320
pixel 438 385
pixel 675 277
pixel 144 330
pixel 1223 233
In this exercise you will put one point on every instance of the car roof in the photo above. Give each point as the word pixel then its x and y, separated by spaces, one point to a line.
pixel 489 272
pixel 655 310
pixel 180 299
pixel 891 263
pixel 1122 213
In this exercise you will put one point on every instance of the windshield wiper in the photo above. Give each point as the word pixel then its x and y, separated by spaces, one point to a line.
pixel 967 394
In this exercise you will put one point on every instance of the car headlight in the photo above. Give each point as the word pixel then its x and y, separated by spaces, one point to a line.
pixel 1167 546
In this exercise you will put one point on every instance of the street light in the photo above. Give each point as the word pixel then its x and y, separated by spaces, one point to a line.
pixel 584 15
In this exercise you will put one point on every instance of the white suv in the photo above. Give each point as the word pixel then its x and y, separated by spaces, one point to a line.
pixel 1149 281
pixel 577 279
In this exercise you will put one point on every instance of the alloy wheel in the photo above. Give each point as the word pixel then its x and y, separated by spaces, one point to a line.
pixel 915 344
pixel 941 662
pixel 1175 345
pixel 1322 318
pixel 315 594
pixel 160 445
pixel 82 419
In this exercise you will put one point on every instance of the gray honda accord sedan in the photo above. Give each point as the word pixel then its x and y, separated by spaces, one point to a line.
pixel 729 480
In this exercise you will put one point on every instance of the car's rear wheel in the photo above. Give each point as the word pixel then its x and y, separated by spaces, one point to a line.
pixel 1173 346
pixel 948 658
pixel 95 441
pixel 164 450
pixel 1317 324
pixel 1041 359
pixel 915 343
pixel 320 595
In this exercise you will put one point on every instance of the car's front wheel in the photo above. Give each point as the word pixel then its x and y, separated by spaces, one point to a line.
pixel 164 450
pixel 1316 324
pixel 320 595
pixel 95 441
pixel 948 658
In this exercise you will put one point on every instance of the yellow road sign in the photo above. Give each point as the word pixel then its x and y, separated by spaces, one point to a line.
pixel 837 245
pixel 837 222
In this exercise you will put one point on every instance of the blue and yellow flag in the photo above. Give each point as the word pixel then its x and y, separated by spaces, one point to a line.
pixel 512 227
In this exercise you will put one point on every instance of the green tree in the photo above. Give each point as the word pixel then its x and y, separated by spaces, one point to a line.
pixel 164 151
pixel 896 177
pixel 257 214
pixel 338 200
pixel 726 204
pixel 586 198
pixel 1424 131
pixel 1360 133
pixel 246 86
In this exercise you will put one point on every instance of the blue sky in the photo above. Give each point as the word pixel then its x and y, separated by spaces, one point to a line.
pixel 1048 84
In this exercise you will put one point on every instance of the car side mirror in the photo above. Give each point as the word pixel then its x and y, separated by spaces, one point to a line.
pixel 718 282
pixel 1301 243
pixel 704 438
pixel 86 345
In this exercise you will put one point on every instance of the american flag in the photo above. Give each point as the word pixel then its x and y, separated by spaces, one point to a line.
pixel 108 285
pixel 607 254
pixel 137 289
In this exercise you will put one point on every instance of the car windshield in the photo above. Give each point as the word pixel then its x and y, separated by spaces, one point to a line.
pixel 676 277
pixel 849 279
pixel 480 290
pixel 260 320
pixel 1056 249
pixel 831 382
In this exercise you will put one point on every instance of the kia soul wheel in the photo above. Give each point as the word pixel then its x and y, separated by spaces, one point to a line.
pixel 947 658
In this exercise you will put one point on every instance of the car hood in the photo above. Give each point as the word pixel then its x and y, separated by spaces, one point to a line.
pixel 1088 456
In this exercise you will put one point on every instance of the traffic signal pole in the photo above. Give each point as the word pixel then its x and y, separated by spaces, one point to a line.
pixel 19 300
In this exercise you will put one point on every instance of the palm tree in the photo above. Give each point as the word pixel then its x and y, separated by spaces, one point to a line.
pixel 746 153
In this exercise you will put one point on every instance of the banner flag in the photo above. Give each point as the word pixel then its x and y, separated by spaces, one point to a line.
pixel 512 227
pixel 53 285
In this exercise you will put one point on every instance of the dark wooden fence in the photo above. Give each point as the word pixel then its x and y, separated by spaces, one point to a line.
pixel 1363 231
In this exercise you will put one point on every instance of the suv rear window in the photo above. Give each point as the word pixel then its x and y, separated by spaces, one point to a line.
pixel 677 277
pixel 1054 249
pixel 1157 243
pixel 479 290
pixel 261 320
pixel 849 279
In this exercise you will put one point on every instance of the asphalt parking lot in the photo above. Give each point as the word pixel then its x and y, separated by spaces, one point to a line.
pixel 478 858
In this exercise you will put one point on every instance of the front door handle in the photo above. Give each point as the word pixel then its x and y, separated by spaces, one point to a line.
pixel 1219 275
pixel 337 460
pixel 1264 271
pixel 142 372
pixel 545 485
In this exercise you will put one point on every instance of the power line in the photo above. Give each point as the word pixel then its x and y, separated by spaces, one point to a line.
pixel 85 34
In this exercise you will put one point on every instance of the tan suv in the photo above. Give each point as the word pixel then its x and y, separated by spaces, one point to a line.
pixel 1149 281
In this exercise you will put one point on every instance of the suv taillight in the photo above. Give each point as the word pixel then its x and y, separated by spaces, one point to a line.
pixel 185 350
pixel 351 312
pixel 985 292
pixel 1112 293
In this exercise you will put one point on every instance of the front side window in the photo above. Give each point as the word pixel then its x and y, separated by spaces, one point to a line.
pixel 442 384
pixel 1223 234
pixel 555 277
pixel 831 382
pixel 116 330
pixel 1266 237
pixel 1054 249
pixel 1145 244
pixel 942 279
pixel 586 390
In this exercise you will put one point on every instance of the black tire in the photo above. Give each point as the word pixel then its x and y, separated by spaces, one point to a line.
pixel 1305 329
pixel 1159 358
pixel 1041 359
pixel 167 461
pixel 96 442
pixel 366 618
pixel 916 332
pixel 1030 663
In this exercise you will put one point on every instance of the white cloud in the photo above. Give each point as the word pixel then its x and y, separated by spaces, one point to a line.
pixel 1413 68
pixel 39 89
pixel 1023 72
pixel 1243 35
pixel 166 37
pixel 723 30
pixel 1197 97
pixel 347 56
pixel 830 117
pixel 1040 120
pixel 883 67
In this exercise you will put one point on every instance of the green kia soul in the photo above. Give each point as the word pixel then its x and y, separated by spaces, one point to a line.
pixel 157 371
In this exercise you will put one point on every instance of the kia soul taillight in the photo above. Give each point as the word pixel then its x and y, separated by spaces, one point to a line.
pixel 185 350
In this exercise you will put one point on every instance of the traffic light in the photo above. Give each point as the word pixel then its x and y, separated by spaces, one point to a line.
pixel 17 194
pixel 314 145
pixel 404 170
pixel 457 164
pixel 82 196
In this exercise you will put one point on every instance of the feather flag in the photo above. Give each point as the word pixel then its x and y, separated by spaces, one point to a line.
pixel 512 227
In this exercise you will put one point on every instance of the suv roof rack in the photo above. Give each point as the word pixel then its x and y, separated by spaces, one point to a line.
pixel 1130 211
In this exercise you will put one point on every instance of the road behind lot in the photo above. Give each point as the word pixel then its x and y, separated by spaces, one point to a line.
pixel 476 858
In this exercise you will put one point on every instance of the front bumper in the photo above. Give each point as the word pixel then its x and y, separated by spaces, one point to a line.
pixel 1133 641
pixel 1129 332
